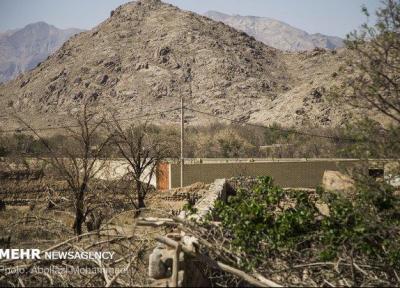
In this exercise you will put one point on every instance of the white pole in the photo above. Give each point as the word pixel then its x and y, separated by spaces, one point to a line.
pixel 182 139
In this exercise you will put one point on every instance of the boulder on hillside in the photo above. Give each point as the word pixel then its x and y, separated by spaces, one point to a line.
pixel 334 181
pixel 392 174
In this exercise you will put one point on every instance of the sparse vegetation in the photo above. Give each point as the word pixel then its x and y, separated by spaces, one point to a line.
pixel 77 161
pixel 219 141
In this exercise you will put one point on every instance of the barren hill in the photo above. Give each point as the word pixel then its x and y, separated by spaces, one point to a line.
pixel 136 62
pixel 22 49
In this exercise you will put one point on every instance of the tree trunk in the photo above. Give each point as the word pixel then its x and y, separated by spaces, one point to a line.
pixel 79 215
pixel 141 202
pixel 140 197
pixel 140 194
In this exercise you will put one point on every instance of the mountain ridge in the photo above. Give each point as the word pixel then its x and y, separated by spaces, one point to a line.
pixel 276 33
pixel 22 49
pixel 136 62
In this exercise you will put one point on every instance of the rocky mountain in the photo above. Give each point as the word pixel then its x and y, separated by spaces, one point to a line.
pixel 148 54
pixel 22 49
pixel 277 34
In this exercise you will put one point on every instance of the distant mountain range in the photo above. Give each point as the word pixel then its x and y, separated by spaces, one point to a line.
pixel 277 34
pixel 22 49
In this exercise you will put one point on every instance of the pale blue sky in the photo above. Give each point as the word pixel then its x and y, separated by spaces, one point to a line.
pixel 332 17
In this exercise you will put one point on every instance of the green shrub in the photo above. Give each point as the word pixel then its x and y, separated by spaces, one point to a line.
pixel 367 225
pixel 268 221
pixel 267 217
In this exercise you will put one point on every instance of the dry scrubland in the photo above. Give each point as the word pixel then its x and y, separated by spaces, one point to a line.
pixel 218 141
pixel 39 214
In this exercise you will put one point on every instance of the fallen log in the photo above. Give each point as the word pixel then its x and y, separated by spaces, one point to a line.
pixel 156 222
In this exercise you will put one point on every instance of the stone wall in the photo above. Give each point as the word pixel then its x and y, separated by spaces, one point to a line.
pixel 217 191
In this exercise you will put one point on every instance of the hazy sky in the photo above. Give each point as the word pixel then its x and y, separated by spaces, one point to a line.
pixel 332 17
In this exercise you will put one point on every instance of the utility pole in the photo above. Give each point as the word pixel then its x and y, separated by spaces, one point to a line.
pixel 182 138
pixel 187 79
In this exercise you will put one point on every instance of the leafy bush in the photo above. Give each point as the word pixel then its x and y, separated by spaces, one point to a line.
pixel 368 225
pixel 269 221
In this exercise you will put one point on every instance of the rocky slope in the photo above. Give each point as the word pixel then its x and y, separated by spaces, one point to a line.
pixel 22 49
pixel 137 61
pixel 276 33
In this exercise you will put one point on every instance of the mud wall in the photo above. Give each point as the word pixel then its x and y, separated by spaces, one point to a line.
pixel 296 174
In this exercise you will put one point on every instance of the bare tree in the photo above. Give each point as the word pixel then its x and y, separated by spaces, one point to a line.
pixel 373 80
pixel 372 83
pixel 143 147
pixel 77 162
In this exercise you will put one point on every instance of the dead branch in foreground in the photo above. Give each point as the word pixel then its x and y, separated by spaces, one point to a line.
pixel 214 251
pixel 126 268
